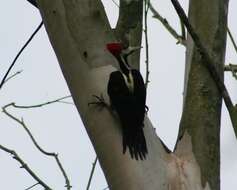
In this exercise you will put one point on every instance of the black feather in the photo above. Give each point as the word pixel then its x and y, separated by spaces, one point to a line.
pixel 131 109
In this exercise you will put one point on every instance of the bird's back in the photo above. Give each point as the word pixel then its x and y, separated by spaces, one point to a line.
pixel 130 107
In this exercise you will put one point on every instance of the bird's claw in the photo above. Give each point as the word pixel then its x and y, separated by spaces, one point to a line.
pixel 100 101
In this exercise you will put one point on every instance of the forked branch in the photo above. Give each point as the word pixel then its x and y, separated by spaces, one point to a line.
pixel 180 38
pixel 25 166
pixel 52 154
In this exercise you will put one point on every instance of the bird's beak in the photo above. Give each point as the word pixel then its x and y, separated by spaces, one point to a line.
pixel 131 49
pixel 135 48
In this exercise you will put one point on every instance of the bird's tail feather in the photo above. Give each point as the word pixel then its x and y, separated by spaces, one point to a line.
pixel 136 143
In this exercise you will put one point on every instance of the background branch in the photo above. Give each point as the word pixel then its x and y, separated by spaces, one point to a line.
pixel 232 68
pixel 91 174
pixel 115 3
pixel 232 39
pixel 19 53
pixel 25 166
pixel 32 186
pixel 183 31
pixel 59 100
pixel 146 9
pixel 209 63
pixel 52 154
pixel 208 60
pixel 180 38
pixel 13 75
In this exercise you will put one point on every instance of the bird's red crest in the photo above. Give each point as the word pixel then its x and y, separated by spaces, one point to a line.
pixel 114 48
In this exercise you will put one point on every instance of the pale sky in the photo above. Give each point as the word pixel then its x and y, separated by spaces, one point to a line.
pixel 58 127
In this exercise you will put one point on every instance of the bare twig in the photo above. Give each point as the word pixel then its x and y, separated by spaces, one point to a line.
pixel 232 39
pixel 32 186
pixel 65 102
pixel 12 76
pixel 180 38
pixel 146 9
pixel 22 123
pixel 19 53
pixel 91 174
pixel 232 68
pixel 115 3
pixel 25 166
pixel 59 100
pixel 209 62
pixel 183 31
pixel 68 186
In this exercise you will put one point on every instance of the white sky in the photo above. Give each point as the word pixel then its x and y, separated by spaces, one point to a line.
pixel 58 127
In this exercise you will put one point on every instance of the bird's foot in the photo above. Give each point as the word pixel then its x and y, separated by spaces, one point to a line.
pixel 100 101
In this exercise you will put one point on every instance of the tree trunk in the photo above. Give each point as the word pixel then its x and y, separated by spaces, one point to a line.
pixel 78 31
pixel 202 100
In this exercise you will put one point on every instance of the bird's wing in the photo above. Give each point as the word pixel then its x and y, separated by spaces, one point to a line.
pixel 117 89
pixel 131 110
pixel 140 94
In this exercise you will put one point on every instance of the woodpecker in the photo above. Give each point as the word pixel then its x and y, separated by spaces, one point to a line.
pixel 127 93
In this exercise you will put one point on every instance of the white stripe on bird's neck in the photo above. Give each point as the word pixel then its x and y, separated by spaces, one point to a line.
pixel 128 78
pixel 129 81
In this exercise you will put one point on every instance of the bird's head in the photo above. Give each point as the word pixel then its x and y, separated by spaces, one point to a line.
pixel 118 49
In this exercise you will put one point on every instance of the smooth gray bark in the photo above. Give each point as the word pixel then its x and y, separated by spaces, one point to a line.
pixel 78 31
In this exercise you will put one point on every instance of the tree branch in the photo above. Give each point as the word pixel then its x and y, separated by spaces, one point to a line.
pixel 232 39
pixel 32 186
pixel 183 31
pixel 19 53
pixel 59 100
pixel 232 68
pixel 52 154
pixel 13 75
pixel 180 39
pixel 91 174
pixel 25 166
pixel 146 9
pixel 209 63
pixel 115 3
